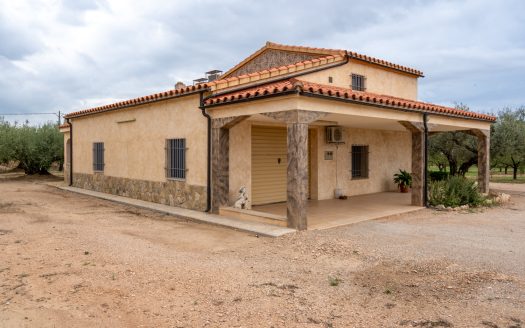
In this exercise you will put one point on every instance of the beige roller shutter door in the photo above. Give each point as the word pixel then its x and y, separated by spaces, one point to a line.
pixel 269 163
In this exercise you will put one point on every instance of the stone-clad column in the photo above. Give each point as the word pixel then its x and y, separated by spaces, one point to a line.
pixel 297 172
pixel 220 168
pixel 483 159
pixel 220 160
pixel 418 168
pixel 297 175
pixel 418 162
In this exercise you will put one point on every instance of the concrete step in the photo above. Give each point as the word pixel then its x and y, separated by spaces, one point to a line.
pixel 253 216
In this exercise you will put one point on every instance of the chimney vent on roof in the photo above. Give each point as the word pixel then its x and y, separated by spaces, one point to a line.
pixel 179 85
pixel 201 80
pixel 210 76
pixel 213 75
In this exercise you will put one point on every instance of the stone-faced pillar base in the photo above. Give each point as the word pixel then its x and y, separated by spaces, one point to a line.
pixel 220 168
pixel 220 160
pixel 297 175
pixel 418 162
pixel 483 159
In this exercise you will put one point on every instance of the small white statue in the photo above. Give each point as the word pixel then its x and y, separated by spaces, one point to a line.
pixel 242 200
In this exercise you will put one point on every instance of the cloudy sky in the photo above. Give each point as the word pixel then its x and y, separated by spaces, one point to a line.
pixel 69 55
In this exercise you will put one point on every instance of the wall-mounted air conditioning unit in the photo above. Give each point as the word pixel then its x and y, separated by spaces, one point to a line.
pixel 334 134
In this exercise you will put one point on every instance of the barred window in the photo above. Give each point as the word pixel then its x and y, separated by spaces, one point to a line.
pixel 98 156
pixel 176 158
pixel 359 161
pixel 358 82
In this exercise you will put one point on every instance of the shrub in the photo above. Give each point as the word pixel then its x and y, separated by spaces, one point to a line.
pixel 438 175
pixel 455 191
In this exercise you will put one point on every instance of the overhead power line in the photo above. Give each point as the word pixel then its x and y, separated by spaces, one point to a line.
pixel 2 114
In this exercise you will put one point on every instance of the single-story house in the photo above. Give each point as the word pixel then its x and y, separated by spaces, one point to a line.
pixel 288 123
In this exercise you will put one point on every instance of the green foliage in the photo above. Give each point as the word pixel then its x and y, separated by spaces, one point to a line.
pixel 35 148
pixel 403 178
pixel 507 147
pixel 455 191
pixel 438 175
pixel 456 150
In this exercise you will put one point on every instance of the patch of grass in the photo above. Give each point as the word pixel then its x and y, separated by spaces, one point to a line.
pixel 334 281
pixel 507 178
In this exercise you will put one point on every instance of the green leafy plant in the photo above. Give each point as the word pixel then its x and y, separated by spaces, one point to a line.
pixel 455 191
pixel 403 179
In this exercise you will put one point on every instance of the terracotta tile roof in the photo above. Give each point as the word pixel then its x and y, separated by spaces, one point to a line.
pixel 274 71
pixel 63 126
pixel 141 100
pixel 276 46
pixel 384 63
pixel 294 85
pixel 324 51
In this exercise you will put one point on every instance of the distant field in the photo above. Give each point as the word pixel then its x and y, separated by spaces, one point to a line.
pixel 495 175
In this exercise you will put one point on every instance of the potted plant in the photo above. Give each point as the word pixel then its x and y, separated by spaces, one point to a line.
pixel 403 179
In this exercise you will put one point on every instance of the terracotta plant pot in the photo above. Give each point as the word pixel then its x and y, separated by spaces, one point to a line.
pixel 403 188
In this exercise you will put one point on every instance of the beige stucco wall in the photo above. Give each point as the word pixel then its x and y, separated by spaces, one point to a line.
pixel 134 140
pixel 378 80
pixel 389 151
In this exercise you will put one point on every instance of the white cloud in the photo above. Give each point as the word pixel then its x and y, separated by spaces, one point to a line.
pixel 75 54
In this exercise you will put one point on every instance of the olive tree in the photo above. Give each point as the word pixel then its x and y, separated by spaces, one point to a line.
pixel 455 149
pixel 508 139
pixel 35 148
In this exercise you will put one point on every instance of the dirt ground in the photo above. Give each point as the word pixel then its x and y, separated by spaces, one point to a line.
pixel 67 260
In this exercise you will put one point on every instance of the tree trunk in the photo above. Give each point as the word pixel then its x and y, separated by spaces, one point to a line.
pixel 506 169
pixel 515 172
pixel 453 167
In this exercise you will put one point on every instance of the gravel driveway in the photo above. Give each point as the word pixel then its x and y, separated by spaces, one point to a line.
pixel 67 260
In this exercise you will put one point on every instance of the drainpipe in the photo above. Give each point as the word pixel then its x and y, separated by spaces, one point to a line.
pixel 208 178
pixel 425 175
pixel 70 152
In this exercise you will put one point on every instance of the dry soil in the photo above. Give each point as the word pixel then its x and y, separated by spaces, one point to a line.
pixel 67 260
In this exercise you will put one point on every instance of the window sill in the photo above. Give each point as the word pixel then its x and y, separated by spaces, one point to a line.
pixel 176 179
pixel 359 178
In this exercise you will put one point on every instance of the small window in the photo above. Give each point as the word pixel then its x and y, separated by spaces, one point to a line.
pixel 176 158
pixel 330 79
pixel 359 162
pixel 98 156
pixel 358 82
